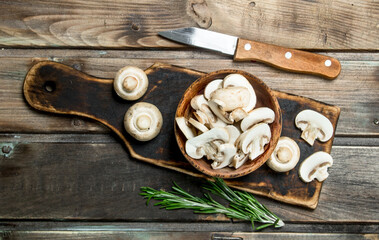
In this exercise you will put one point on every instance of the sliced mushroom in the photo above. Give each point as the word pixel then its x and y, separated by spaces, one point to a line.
pixel 198 125
pixel 218 123
pixel 183 126
pixel 211 87
pixel 314 125
pixel 130 83
pixel 234 133
pixel 315 167
pixel 237 115
pixel 231 98
pixel 195 147
pixel 201 104
pixel 237 80
pixel 285 156
pixel 224 156
pixel 201 117
pixel 262 114
pixel 143 121
pixel 239 159
pixel 215 107
pixel 252 141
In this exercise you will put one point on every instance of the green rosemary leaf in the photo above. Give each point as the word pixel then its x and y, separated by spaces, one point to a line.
pixel 242 205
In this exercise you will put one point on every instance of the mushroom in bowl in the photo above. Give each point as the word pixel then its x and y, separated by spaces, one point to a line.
pixel 213 108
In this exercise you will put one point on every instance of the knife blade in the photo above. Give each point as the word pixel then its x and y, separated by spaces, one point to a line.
pixel 246 50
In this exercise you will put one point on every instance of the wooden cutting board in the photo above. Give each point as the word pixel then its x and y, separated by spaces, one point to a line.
pixel 57 88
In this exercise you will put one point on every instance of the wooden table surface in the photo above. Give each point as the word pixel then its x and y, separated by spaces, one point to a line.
pixel 71 178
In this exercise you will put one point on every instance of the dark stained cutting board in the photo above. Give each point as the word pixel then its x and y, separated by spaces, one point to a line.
pixel 57 88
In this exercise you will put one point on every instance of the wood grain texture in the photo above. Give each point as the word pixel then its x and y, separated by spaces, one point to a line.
pixel 176 226
pixel 356 90
pixel 126 24
pixel 105 235
pixel 287 59
pixel 99 181
pixel 73 92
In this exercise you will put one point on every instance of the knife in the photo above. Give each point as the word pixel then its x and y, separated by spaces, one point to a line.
pixel 245 50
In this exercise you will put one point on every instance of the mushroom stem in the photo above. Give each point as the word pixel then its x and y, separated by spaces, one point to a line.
pixel 284 154
pixel 130 83
pixel 310 134
pixel 143 122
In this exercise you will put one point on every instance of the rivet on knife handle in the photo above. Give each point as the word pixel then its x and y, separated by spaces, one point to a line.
pixel 287 59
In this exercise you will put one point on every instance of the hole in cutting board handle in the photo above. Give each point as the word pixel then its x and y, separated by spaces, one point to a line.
pixel 49 86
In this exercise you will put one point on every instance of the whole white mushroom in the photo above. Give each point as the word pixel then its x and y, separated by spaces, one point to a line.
pixel 143 121
pixel 130 83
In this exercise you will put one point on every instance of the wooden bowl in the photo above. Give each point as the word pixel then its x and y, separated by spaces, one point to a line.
pixel 265 98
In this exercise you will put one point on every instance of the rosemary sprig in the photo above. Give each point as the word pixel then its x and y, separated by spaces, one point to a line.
pixel 242 205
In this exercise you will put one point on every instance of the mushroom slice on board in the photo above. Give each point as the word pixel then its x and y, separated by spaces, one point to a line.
pixel 183 126
pixel 262 114
pixel 285 156
pixel 130 83
pixel 231 98
pixel 211 87
pixel 314 125
pixel 237 80
pixel 195 146
pixel 252 141
pixel 224 156
pixel 143 121
pixel 315 166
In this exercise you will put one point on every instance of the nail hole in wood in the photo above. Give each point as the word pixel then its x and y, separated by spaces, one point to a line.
pixel 135 27
pixel 49 86
pixel 252 4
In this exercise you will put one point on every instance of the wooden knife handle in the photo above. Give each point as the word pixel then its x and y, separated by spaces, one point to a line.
pixel 288 59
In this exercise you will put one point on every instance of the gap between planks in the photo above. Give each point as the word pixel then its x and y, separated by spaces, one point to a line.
pixel 353 141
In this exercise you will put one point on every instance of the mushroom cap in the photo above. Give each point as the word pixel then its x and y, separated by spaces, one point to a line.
pixel 254 135
pixel 238 80
pixel 232 97
pixel 315 166
pixel 130 83
pixel 314 125
pixel 183 126
pixel 285 156
pixel 194 145
pixel 211 87
pixel 143 121
pixel 262 114
pixel 198 101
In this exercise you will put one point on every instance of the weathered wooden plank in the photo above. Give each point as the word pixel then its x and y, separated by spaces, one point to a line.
pixel 177 235
pixel 86 181
pixel 115 24
pixel 109 138
pixel 356 90
pixel 211 226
